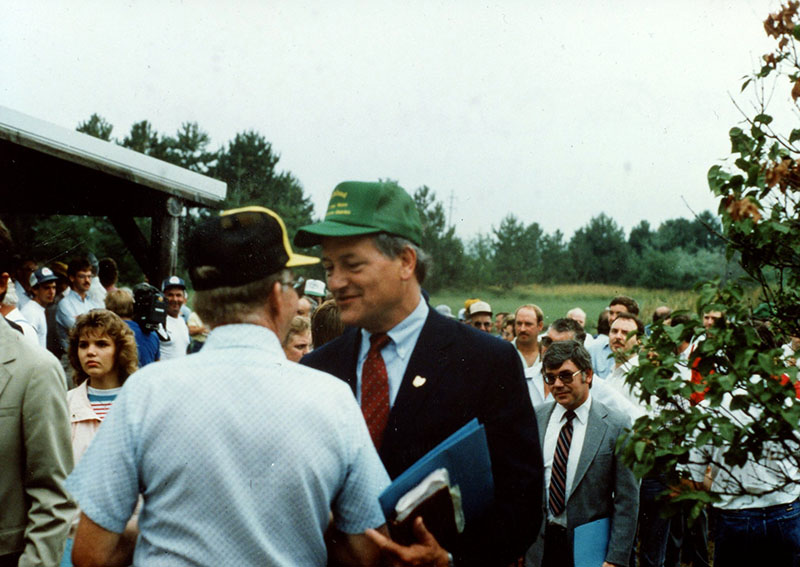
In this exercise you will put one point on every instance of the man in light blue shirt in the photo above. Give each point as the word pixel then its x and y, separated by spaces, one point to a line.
pixel 242 457
pixel 77 301
pixel 602 361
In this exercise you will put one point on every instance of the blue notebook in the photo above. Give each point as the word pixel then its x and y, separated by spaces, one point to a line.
pixel 465 455
pixel 590 543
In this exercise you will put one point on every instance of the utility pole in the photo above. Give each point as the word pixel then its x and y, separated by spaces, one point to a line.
pixel 450 212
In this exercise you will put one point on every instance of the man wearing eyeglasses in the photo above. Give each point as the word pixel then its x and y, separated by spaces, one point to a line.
pixel 480 316
pixel 585 480
pixel 243 458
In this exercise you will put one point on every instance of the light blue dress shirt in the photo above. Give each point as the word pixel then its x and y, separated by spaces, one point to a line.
pixel 240 455
pixel 397 353
pixel 67 310
pixel 602 361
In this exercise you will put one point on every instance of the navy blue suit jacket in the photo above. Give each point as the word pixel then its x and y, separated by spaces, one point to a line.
pixel 468 373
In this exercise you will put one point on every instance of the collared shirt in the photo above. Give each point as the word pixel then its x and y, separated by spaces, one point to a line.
pixel 557 421
pixel 16 316
pixel 533 377
pixel 755 484
pixel 70 306
pixel 240 454
pixel 397 353
pixel 602 361
pixel 35 314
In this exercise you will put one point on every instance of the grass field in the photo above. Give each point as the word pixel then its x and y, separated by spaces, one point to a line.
pixel 556 300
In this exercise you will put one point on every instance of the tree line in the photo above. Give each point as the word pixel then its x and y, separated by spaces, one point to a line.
pixel 674 255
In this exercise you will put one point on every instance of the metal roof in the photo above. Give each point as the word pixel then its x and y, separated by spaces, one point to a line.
pixel 55 170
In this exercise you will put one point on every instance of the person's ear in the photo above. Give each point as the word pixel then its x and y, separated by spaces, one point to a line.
pixel 408 262
pixel 4 282
pixel 275 299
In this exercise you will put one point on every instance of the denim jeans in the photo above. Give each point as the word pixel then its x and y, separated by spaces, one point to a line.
pixel 653 529
pixel 758 536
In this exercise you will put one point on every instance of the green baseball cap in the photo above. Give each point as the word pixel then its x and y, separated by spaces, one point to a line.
pixel 359 207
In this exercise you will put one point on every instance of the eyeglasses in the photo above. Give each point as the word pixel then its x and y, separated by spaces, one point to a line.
pixel 565 377
pixel 295 283
pixel 482 324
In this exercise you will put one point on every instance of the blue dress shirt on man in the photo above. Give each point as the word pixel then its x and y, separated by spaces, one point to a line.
pixel 602 361
pixel 233 470
pixel 67 310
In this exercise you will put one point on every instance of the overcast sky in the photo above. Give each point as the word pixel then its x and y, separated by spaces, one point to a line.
pixel 549 111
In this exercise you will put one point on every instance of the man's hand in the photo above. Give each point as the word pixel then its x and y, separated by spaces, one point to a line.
pixel 425 553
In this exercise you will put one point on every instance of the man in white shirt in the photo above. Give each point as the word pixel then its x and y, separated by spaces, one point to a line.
pixel 43 289
pixel 757 516
pixel 174 289
pixel 528 323
pixel 624 337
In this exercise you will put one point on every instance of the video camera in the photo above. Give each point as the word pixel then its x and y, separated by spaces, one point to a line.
pixel 149 307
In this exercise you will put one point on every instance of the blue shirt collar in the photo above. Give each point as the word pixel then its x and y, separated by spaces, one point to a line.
pixel 404 335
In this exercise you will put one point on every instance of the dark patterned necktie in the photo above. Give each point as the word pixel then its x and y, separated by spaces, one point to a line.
pixel 375 389
pixel 558 474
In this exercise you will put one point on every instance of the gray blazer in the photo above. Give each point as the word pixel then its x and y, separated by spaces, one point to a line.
pixel 36 450
pixel 603 485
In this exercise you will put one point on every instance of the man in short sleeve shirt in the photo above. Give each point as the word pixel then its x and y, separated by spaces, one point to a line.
pixel 243 458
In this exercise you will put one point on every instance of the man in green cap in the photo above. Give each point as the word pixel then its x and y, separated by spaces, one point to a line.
pixel 420 376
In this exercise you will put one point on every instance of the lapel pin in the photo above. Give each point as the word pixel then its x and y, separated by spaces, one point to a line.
pixel 418 381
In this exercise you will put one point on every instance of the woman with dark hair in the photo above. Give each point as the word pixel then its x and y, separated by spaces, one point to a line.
pixel 102 352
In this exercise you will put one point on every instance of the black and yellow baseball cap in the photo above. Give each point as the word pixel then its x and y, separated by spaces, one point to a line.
pixel 240 246
pixel 359 207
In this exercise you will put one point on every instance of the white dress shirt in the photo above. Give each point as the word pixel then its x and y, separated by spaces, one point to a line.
pixel 557 420
pixel 533 377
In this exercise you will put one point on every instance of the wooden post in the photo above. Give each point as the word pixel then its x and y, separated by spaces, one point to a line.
pixel 164 241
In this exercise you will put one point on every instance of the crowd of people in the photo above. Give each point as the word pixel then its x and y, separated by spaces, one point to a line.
pixel 260 427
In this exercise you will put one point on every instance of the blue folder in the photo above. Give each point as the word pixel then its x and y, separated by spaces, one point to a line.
pixel 465 455
pixel 590 543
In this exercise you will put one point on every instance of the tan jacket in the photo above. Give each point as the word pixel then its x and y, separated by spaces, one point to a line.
pixel 35 509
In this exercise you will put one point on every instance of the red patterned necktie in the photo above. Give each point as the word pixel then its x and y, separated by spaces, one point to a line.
pixel 375 389
pixel 558 474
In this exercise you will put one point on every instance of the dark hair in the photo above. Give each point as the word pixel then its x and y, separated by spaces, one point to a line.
pixel 326 323
pixel 634 318
pixel 565 325
pixel 391 246
pixel 78 264
pixel 562 351
pixel 105 322
pixel 107 272
pixel 680 319
pixel 603 326
pixel 630 304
